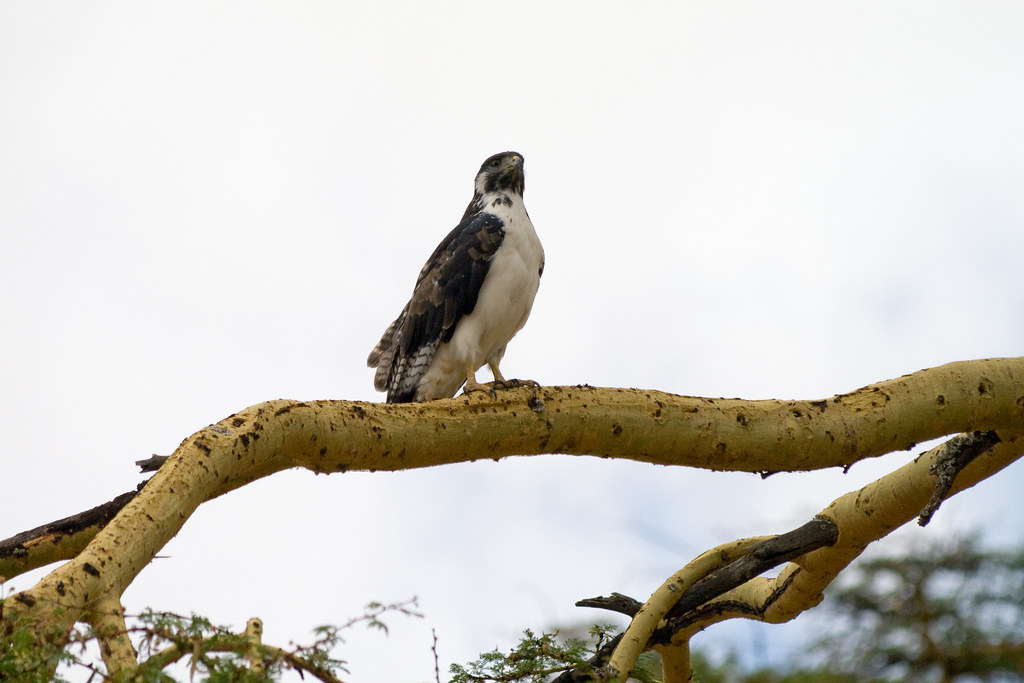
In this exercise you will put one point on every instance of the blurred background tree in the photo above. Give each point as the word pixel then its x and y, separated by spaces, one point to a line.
pixel 942 611
pixel 946 611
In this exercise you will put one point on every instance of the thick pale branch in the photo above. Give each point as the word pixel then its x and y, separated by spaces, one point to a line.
pixel 107 620
pixel 647 618
pixel 708 576
pixel 862 517
pixel 675 662
pixel 254 635
pixel 650 426
pixel 683 606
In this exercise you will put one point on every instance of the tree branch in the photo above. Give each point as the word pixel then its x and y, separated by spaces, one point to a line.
pixel 647 617
pixel 817 552
pixel 862 516
pixel 955 455
pixel 60 540
pixel 249 644
pixel 648 426
pixel 710 575
pixel 107 621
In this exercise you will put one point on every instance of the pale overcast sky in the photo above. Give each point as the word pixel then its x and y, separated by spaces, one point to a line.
pixel 208 205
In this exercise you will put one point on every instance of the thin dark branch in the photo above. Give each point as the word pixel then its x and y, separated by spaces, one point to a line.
pixel 21 552
pixel 152 463
pixel 817 533
pixel 616 602
pixel 15 546
pixel 437 664
pixel 956 454
pixel 589 670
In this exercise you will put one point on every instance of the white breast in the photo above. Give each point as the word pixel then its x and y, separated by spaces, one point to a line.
pixel 502 306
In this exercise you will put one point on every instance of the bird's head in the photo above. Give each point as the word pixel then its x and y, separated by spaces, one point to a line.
pixel 501 173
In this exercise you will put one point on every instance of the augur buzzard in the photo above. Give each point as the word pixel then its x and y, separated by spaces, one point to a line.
pixel 472 296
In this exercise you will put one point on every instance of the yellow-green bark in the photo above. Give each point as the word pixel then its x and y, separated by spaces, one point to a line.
pixel 642 425
pixel 862 516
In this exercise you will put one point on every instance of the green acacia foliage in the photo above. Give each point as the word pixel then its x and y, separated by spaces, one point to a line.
pixel 539 658
pixel 209 653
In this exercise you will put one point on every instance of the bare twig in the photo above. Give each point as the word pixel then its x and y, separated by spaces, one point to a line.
pixel 957 453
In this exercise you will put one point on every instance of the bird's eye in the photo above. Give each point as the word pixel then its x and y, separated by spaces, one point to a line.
pixel 495 163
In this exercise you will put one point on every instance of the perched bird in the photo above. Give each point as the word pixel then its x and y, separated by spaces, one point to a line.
pixel 472 296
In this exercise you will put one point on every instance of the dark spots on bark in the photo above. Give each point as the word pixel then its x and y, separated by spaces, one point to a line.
pixel 238 422
pixel 616 428
pixel 89 569
pixel 244 438
pixel 820 405
pixel 342 467
pixel 359 412
pixel 742 419
pixel 60 588
pixel 198 443
pixel 940 400
pixel 323 452
pixel 25 599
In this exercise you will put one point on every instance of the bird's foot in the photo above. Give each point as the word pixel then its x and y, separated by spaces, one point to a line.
pixel 476 386
pixel 514 383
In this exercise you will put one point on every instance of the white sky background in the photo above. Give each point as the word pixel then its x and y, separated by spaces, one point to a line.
pixel 204 206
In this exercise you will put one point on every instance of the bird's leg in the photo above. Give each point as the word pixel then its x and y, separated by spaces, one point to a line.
pixel 493 365
pixel 472 384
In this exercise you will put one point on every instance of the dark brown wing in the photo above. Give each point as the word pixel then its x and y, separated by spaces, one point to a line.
pixel 446 289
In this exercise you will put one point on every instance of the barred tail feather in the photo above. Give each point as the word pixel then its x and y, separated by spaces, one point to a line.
pixel 407 372
pixel 386 342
